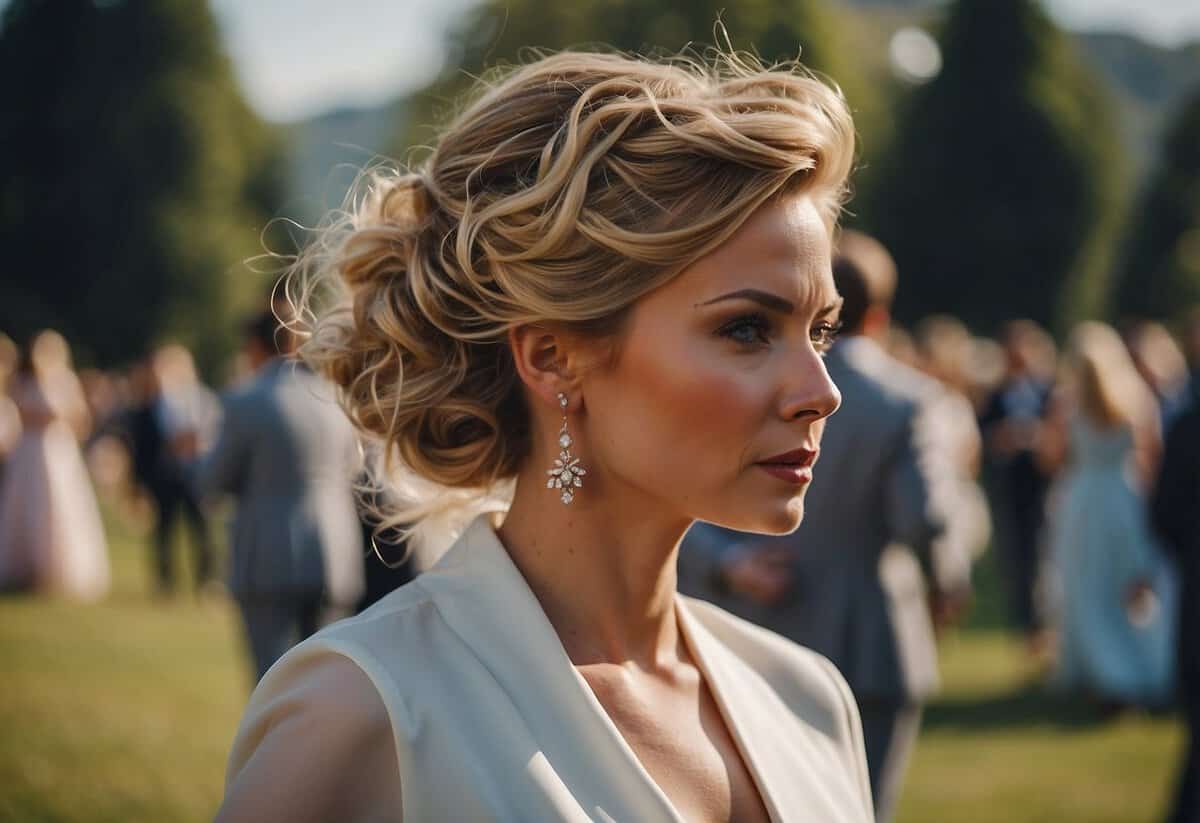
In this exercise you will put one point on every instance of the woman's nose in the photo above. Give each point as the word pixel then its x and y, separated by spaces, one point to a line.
pixel 811 391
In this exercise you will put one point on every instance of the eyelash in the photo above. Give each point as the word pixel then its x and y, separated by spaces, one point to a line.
pixel 822 335
pixel 757 323
pixel 828 335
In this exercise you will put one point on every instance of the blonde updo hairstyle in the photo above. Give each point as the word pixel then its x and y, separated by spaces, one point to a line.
pixel 568 189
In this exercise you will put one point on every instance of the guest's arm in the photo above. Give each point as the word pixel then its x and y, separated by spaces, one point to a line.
pixel 913 514
pixel 918 503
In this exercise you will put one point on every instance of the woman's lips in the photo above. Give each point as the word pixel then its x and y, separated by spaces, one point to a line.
pixel 793 473
pixel 792 467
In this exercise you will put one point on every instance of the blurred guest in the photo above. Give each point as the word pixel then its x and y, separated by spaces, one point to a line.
pixel 1117 590
pixel 154 432
pixel 1011 423
pixel 103 393
pixel 1191 347
pixel 10 429
pixel 9 357
pixel 1176 516
pixel 851 581
pixel 945 349
pixel 189 411
pixel 10 418
pixel 106 450
pixel 51 536
pixel 1162 365
pixel 286 452
pixel 902 346
pixel 984 371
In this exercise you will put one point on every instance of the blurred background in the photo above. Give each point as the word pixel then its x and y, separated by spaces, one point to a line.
pixel 1022 160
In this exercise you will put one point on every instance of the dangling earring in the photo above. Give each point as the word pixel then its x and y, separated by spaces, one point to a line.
pixel 567 474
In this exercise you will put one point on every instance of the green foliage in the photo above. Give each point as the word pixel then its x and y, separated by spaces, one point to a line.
pixel 509 31
pixel 135 178
pixel 1001 190
pixel 1160 275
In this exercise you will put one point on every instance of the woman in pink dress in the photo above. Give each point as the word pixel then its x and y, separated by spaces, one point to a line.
pixel 51 537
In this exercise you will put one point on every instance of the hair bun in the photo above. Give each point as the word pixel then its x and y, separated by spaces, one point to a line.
pixel 386 229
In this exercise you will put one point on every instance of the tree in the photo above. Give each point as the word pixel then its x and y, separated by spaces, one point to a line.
pixel 506 31
pixel 1000 193
pixel 135 178
pixel 1160 273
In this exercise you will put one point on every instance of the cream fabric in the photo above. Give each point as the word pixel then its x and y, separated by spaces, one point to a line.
pixel 453 699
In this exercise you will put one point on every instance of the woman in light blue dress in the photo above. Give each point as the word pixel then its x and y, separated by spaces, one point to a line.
pixel 1117 589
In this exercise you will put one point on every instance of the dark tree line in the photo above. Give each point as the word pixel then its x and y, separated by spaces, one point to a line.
pixel 134 179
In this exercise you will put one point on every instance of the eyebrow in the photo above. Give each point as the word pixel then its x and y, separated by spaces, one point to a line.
pixel 771 301
pixel 836 305
pixel 764 298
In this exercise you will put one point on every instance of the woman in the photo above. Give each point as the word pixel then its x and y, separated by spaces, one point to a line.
pixel 51 537
pixel 603 299
pixel 1117 590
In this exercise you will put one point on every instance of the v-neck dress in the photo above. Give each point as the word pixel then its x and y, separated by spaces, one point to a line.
pixel 470 697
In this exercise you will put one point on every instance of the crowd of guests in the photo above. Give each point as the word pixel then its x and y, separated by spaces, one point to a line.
pixel 945 444
pixel 155 437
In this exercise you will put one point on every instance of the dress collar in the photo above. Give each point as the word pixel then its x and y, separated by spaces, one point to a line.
pixel 484 598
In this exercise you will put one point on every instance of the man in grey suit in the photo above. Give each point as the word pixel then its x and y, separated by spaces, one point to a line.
pixel 861 581
pixel 286 453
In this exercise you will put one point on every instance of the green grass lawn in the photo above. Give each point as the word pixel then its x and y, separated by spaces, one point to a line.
pixel 124 711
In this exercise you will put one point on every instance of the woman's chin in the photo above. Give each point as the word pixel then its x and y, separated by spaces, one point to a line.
pixel 781 519
pixel 789 519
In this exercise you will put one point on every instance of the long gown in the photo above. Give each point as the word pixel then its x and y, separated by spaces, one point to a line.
pixel 51 537
pixel 1101 544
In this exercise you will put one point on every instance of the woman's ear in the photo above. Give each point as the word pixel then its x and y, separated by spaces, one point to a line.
pixel 543 361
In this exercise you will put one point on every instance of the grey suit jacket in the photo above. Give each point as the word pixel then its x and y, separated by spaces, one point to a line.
pixel 287 454
pixel 866 547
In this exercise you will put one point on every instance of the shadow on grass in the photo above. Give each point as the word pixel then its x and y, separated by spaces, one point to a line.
pixel 1030 705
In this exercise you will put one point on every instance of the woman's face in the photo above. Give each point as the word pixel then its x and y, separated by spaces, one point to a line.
pixel 718 396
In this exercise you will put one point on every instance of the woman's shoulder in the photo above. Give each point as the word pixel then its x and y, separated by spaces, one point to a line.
pixel 327 717
pixel 316 741
pixel 404 625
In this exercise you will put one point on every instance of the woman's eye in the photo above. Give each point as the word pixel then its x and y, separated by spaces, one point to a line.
pixel 824 334
pixel 750 330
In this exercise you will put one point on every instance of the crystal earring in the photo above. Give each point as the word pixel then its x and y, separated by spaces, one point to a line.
pixel 567 474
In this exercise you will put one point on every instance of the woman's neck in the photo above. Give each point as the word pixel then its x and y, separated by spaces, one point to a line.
pixel 603 569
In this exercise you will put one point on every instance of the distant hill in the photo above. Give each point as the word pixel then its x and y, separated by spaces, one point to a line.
pixel 326 152
pixel 1148 82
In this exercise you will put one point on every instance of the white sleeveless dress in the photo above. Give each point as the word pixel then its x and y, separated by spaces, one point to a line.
pixel 469 709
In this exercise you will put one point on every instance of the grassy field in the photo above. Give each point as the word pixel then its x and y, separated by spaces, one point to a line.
pixel 124 711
